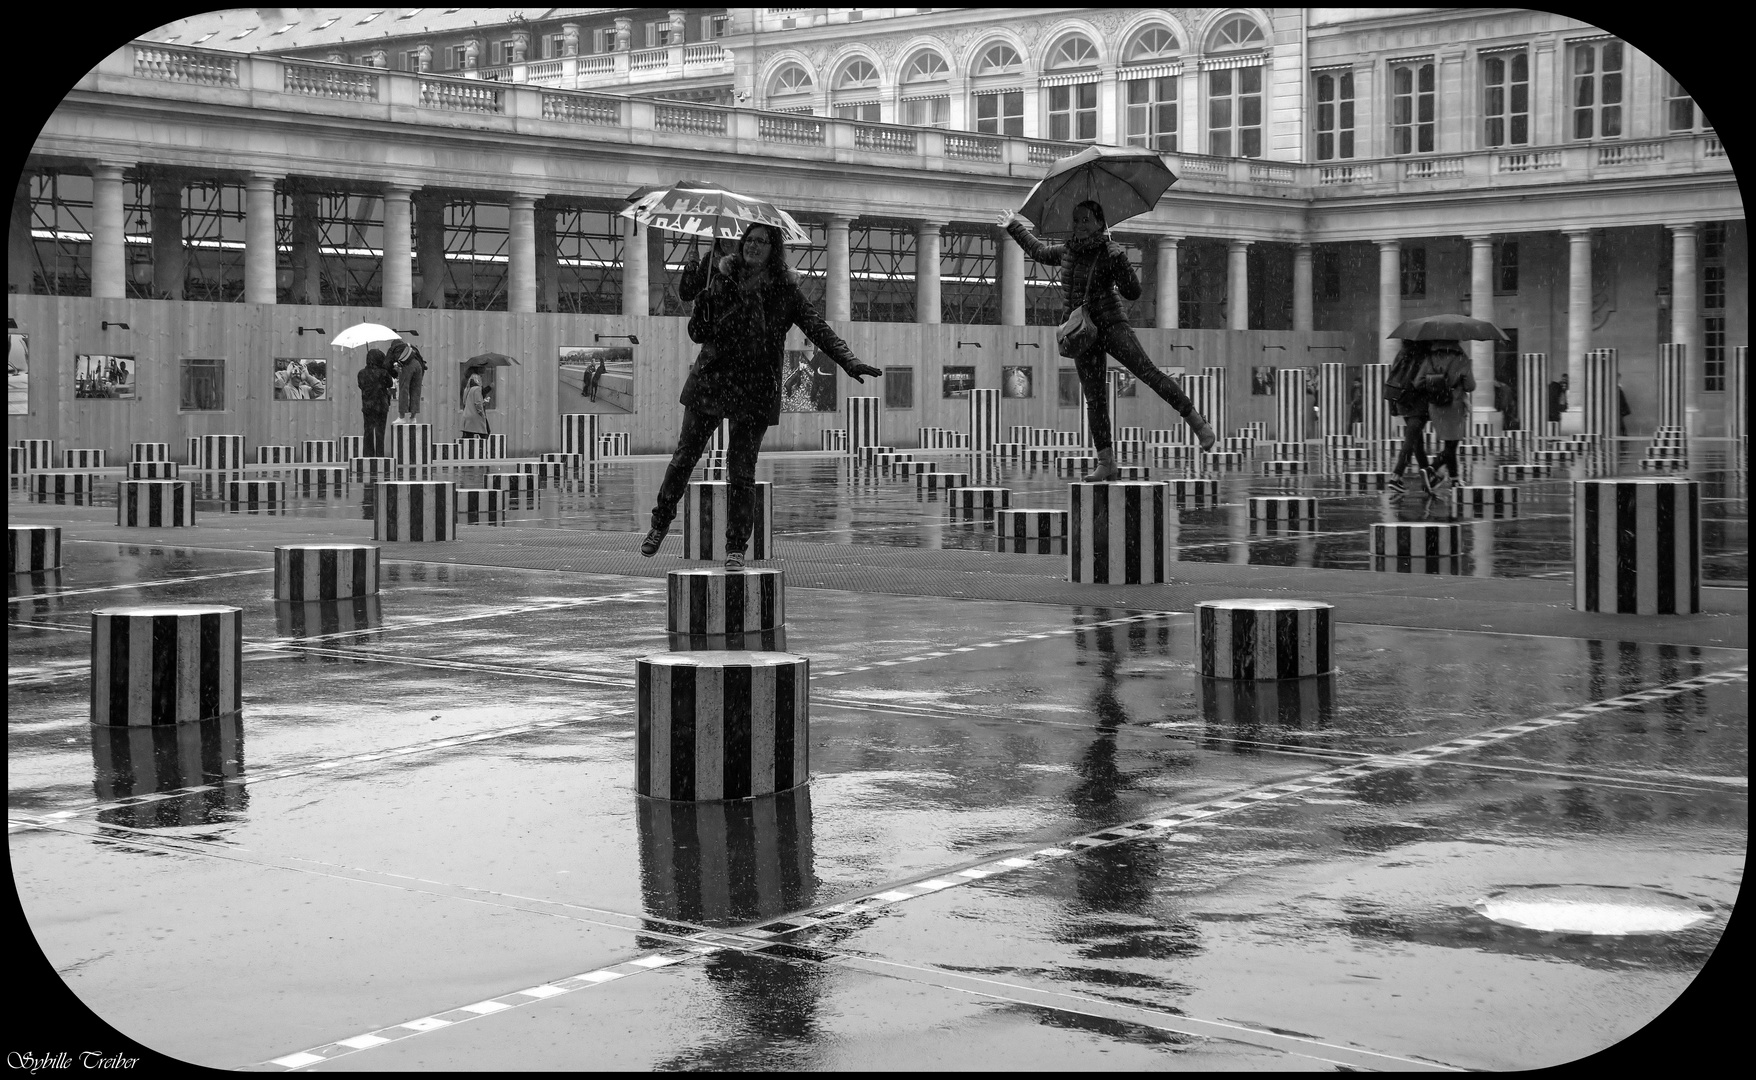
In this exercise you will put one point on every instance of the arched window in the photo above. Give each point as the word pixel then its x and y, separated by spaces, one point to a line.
pixel 925 67
pixel 1236 32
pixel 791 79
pixel 857 75
pixel 1153 43
pixel 1074 50
pixel 998 60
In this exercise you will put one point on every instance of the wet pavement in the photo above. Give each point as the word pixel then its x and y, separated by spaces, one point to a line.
pixel 1034 838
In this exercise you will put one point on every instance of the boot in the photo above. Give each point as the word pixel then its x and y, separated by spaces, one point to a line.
pixel 1202 429
pixel 1106 468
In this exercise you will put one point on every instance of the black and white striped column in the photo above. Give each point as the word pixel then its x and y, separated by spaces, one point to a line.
pixel 1416 539
pixel 721 725
pixel 318 451
pixel 1364 481
pixel 1121 532
pixel 1203 394
pixel 218 452
pixel 82 459
pixel 940 481
pixel 863 417
pixel 1301 508
pixel 320 476
pixel 984 420
pixel 1533 391
pixel 579 435
pixel 38 453
pixel 1218 410
pixel 1291 410
pixel 256 494
pixel 518 481
pixel 833 439
pixel 415 510
pixel 149 451
pixel 165 664
pixel 411 444
pixel 1737 367
pixel 1482 500
pixel 349 447
pixel 1194 489
pixel 1673 386
pixel 978 500
pixel 155 503
pixel 705 509
pixel 1285 467
pixel 546 472
pixel 1025 524
pixel 1637 545
pixel 311 572
pixel 1598 397
pixel 479 506
pixel 34 547
pixel 1332 400
pixel 711 600
pixel 372 468
pixel 1263 639
pixel 60 482
pixel 274 455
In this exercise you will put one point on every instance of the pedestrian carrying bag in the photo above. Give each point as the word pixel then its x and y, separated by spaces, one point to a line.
pixel 1080 332
pixel 1399 387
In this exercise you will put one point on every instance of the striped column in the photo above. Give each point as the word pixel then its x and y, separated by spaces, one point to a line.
pixel 1300 508
pixel 479 506
pixel 34 547
pixel 1263 639
pixel 705 509
pixel 721 725
pixel 716 602
pixel 579 434
pixel 984 420
pixel 349 447
pixel 1194 489
pixel 1598 395
pixel 1416 539
pixel 1637 545
pixel 546 472
pixel 415 510
pixel 1673 385
pixel 219 452
pixel 1521 471
pixel 721 440
pixel 1030 524
pixel 1203 394
pixel 274 455
pixel 165 664
pixel 411 444
pixel 155 503
pixel 1485 500
pixel 1122 532
pixel 256 494
pixel 1533 392
pixel 1219 401
pixel 983 501
pixel 1332 398
pixel 149 451
pixel 940 481
pixel 1736 387
pixel 863 416
pixel 727 864
pixel 372 468
pixel 38 453
pixel 82 459
pixel 318 451
pixel 321 476
pixel 65 483
pixel 1290 408
pixel 1285 467
pixel 310 572
pixel 1364 481
pixel 833 439
pixel 518 481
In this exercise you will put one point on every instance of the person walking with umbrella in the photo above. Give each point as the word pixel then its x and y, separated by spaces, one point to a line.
pixel 741 322
pixel 475 419
pixel 1444 378
pixel 376 384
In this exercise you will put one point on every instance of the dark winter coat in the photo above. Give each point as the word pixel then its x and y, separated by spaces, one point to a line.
pixel 743 339
pixel 694 277
pixel 1113 272
pixel 376 384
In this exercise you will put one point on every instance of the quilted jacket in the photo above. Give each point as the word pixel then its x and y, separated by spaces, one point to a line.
pixel 1113 273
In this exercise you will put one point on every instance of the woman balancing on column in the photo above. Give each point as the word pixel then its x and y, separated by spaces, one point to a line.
pixel 741 323
pixel 1093 268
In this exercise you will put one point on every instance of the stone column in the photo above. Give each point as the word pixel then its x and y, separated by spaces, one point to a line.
pixel 259 239
pixel 1167 282
pixel 521 255
pixel 636 291
pixel 1481 353
pixel 1389 297
pixel 430 247
pixel 548 276
pixel 927 271
pixel 109 260
pixel 838 299
pixel 21 250
pixel 1578 326
pixel 1302 317
pixel 304 238
pixel 398 274
pixel 1238 285
pixel 1012 306
pixel 1686 319
pixel 170 257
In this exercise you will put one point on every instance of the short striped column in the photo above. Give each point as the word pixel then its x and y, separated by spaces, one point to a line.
pixel 82 459
pixel 415 510
pixel 1255 429
pixel 1254 639
pixel 1300 508
pixel 1598 396
pixel 1020 434
pixel 1025 524
pixel 1121 532
pixel 1552 457
pixel 885 460
pixel 1221 459
pixel 165 664
pixel 308 572
pixel 1008 450
pixel 720 724
pixel 914 468
pixel 15 459
pixel 38 453
pixel 1637 545
pixel 219 452
pixel 1483 500
pixel 479 506
pixel 411 444
pixel 569 461
pixel 1332 400
pixel 1663 464
pixel 320 476
pixel 256 494
pixel 1285 468
pixel 1130 433
pixel 496 445
pixel 349 447
pixel 706 510
pixel 1416 539
pixel 1129 448
pixel 868 454
pixel 61 482
pixel 1241 443
pixel 1347 454
pixel 1673 386
pixel 1075 463
pixel 984 420
pixel 475 450
pixel 1041 455
pixel 1533 392
pixel 1291 410
pixel 518 481
pixel 1162 437
pixel 34 548
pixel 1174 452
pixel 613 444
pixel 579 435
pixel 862 420
pixel 154 504
pixel 720 440
pixel 1737 367
pixel 318 451
pixel 149 451
pixel 833 439
pixel 717 603
pixel 1218 410
pixel 274 455
pixel 978 500
pixel 546 472
pixel 1521 471
pixel 1203 394
pixel 1364 481
pixel 1194 489
pixel 940 481
pixel 372 468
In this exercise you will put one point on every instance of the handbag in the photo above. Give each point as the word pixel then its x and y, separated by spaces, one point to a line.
pixel 1075 337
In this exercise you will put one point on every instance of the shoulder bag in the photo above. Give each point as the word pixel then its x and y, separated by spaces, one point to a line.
pixel 1080 332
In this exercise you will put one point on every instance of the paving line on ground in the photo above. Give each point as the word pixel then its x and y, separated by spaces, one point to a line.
pixel 135 585
pixel 770 932
pixel 1014 640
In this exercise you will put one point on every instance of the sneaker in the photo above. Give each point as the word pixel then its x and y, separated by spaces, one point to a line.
pixel 1395 484
pixel 1430 479
pixel 734 560
pixel 649 547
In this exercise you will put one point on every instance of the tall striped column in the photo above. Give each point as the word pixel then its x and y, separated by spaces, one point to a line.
pixel 1203 394
pixel 1332 396
pixel 307 572
pixel 1122 532
pixel 1673 386
pixel 411 444
pixel 862 425
pixel 984 420
pixel 721 725
pixel 38 454
pixel 1263 639
pixel 221 452
pixel 1219 401
pixel 579 434
pixel 155 503
pixel 1637 545
pixel 1533 392
pixel 705 509
pixel 318 451
pixel 1375 417
pixel 165 664
pixel 149 451
pixel 1736 387
pixel 1289 407
pixel 34 548
pixel 415 510
pixel 717 603
pixel 1598 396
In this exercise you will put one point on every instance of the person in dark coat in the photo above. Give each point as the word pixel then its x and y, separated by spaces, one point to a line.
pixel 697 272
pixel 1557 398
pixel 376 383
pixel 1093 269
pixel 741 322
pixel 1413 411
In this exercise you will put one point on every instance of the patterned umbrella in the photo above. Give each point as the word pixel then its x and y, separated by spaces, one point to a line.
pixel 1125 180
pixel 712 212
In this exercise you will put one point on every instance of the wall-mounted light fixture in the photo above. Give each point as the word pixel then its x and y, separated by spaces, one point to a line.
pixel 410 333
pixel 1191 348
pixel 1282 348
pixel 303 330
pixel 632 340
pixel 1310 348
pixel 961 344
pixel 1016 345
pixel 107 325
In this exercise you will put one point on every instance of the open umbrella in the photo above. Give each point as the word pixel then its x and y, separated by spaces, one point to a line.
pixel 364 334
pixel 711 212
pixel 1125 180
pixel 1448 328
pixel 486 360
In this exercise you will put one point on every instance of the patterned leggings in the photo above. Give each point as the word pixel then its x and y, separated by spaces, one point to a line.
pixel 1119 341
pixel 746 442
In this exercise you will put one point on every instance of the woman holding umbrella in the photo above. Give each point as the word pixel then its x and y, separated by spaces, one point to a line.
pixel 741 322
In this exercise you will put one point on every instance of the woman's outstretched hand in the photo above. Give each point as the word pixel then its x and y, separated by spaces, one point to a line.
pixel 1007 217
pixel 864 369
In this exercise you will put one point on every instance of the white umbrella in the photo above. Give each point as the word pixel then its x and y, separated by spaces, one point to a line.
pixel 364 334
pixel 712 212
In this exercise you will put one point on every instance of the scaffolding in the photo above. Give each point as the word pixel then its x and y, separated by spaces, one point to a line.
pixel 588 262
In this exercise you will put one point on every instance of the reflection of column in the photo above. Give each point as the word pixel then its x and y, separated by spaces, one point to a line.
pixel 259 239
pixel 1685 320
pixel 521 255
pixel 1238 532
pixel 1482 547
pixel 1238 285
pixel 108 258
pixel 927 271
pixel 838 298
pixel 398 273
pixel 1011 280
pixel 1167 281
pixel 1389 297
pixel 1302 318
pixel 1481 353
pixel 1578 323
pixel 635 290
pixel 727 863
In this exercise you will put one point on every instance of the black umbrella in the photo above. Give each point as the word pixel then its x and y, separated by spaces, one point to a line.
pixel 1448 328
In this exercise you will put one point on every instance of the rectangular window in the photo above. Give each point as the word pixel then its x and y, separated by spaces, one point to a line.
pixel 927 112
pixel 1067 395
pixel 1597 90
pixel 454 57
pixel 714 26
pixel 600 40
pixel 1414 272
pixel 1713 353
pixel 899 388
pixel 1505 267
pixel 868 112
pixel 204 385
pixel 1152 113
pixel 1713 241
pixel 1335 115
pixel 1328 274
pixel 1412 107
pixel 1234 112
pixel 1001 114
pixel 1506 100
pixel 411 60
pixel 553 46
pixel 1073 112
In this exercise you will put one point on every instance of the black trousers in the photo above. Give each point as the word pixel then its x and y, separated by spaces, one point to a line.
pixel 1414 430
pixel 1118 340
pixel 746 442
pixel 374 444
